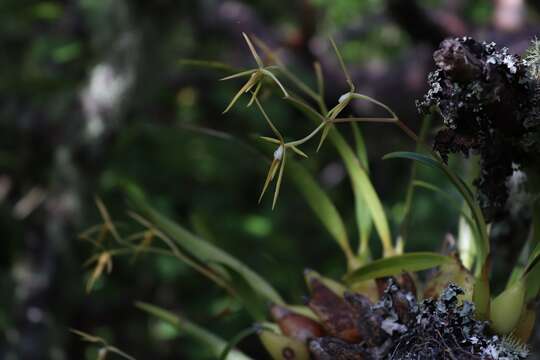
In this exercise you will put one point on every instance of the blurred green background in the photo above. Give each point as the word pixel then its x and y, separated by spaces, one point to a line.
pixel 94 97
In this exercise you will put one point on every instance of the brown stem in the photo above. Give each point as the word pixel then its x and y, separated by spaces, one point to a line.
pixel 367 119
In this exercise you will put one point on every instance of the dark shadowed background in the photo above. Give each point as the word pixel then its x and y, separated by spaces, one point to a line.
pixel 94 97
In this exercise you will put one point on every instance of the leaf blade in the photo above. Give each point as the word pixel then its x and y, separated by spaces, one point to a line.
pixel 364 190
pixel 322 206
pixel 205 251
pixel 394 265
pixel 215 344
pixel 364 222
pixel 482 243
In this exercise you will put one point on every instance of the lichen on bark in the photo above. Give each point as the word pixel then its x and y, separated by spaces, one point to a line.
pixel 398 327
pixel 488 100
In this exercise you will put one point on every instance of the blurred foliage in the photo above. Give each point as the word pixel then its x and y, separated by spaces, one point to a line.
pixel 168 139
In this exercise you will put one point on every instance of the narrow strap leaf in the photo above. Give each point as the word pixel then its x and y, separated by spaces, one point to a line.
pixel 206 252
pixel 322 206
pixel 483 240
pixel 214 343
pixel 394 265
pixel 363 187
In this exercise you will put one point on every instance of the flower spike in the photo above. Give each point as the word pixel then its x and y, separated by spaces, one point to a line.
pixel 255 80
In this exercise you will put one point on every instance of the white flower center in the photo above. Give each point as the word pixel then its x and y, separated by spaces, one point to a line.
pixel 344 97
pixel 278 154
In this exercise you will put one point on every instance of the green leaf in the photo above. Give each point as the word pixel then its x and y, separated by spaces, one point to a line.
pixel 515 275
pixel 532 270
pixel 322 206
pixel 535 256
pixel 204 251
pixel 363 217
pixel 361 150
pixel 212 342
pixel 252 301
pixel 532 279
pixel 395 265
pixel 482 294
pixel 482 241
pixel 534 242
pixel 365 196
pixel 409 193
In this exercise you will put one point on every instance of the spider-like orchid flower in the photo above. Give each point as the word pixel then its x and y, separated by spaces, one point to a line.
pixel 278 162
pixel 255 79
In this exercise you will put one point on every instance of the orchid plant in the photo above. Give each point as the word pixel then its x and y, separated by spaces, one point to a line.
pixel 375 307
